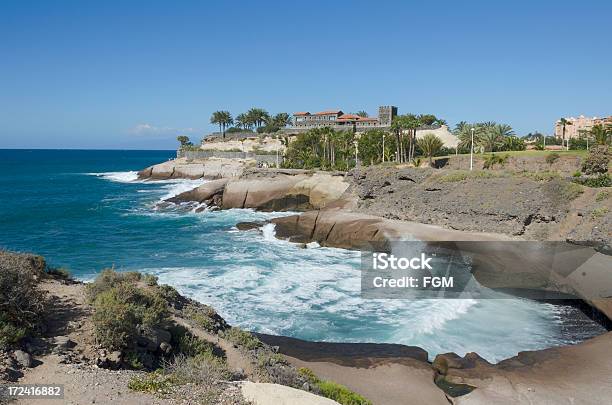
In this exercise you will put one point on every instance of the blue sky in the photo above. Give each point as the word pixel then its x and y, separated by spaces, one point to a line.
pixel 134 74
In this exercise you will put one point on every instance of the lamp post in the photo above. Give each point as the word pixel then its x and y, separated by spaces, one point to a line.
pixel 472 151
pixel 383 149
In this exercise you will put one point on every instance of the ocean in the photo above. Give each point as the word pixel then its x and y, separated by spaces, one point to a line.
pixel 86 211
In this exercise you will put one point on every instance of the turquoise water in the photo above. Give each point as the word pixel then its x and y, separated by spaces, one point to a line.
pixel 85 210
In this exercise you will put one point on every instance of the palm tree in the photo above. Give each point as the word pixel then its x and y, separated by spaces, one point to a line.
pixel 513 142
pixel 223 119
pixel 242 121
pixel 460 127
pixel 430 144
pixel 504 130
pixel 602 135
pixel 362 114
pixel 490 138
pixel 258 116
pixel 564 123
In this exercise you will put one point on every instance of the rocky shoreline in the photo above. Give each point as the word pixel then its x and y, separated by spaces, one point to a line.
pixel 65 351
pixel 352 210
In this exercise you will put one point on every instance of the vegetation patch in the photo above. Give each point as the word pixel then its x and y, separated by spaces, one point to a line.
pixel 21 300
pixel 155 382
pixel 203 316
pixel 599 212
pixel 242 338
pixel 120 306
pixel 552 158
pixel 461 175
pixel 603 180
pixel 602 195
pixel 332 390
pixel 540 176
pixel 597 160
pixel 491 160
pixel 570 191
pixel 61 273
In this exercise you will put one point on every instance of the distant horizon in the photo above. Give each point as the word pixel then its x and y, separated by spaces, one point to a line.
pixel 124 76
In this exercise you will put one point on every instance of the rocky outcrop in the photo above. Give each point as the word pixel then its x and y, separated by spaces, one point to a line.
pixel 503 263
pixel 484 201
pixel 349 230
pixel 183 168
pixel 284 191
pixel 270 190
pixel 209 193
pixel 562 375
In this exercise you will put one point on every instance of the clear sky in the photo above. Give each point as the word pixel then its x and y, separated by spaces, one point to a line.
pixel 135 74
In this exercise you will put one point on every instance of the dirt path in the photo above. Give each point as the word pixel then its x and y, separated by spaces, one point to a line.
pixel 234 357
pixel 85 384
pixel 69 318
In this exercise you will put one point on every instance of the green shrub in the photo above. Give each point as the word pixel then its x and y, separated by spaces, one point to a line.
pixel 571 191
pixel 9 333
pixel 61 273
pixel 597 160
pixel 242 338
pixel 552 158
pixel 493 159
pixel 119 306
pixel 541 176
pixel 202 316
pixel 154 383
pixel 603 180
pixel 133 360
pixel 599 212
pixel 602 195
pixel 22 302
pixel 332 390
pixel 150 279
pixel 168 292
pixel 577 173
pixel 341 394
pixel 193 346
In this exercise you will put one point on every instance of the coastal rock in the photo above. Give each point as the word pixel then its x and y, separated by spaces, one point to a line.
pixel 544 376
pixel 247 226
pixel 182 168
pixel 284 192
pixel 204 193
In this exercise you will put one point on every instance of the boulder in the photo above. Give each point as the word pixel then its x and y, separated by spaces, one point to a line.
pixel 24 359
pixel 152 338
pixel 203 193
pixel 247 226
pixel 284 191
pixel 63 343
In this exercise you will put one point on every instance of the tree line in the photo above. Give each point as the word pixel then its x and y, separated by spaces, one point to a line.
pixel 254 119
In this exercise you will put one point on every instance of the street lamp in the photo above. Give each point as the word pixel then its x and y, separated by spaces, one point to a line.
pixel 383 149
pixel 472 151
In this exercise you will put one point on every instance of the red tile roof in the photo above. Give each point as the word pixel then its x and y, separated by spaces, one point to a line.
pixel 301 113
pixel 329 112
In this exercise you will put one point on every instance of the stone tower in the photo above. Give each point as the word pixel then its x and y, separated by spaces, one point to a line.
pixel 386 113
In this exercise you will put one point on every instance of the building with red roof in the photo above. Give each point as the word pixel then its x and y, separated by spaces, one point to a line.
pixel 340 120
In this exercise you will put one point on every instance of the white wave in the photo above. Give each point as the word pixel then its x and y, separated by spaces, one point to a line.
pixel 119 177
pixel 176 187
pixel 269 233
